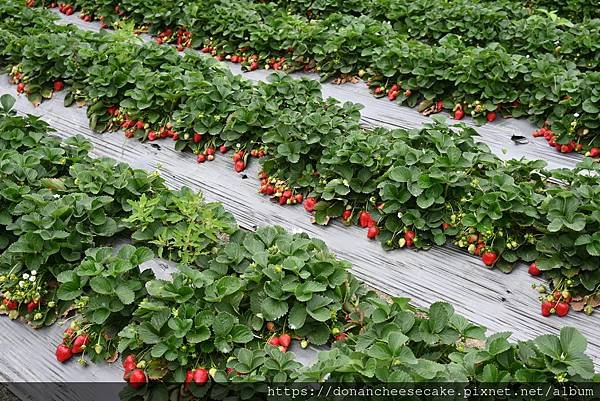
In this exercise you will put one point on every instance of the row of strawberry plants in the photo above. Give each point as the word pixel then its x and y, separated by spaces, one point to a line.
pixel 519 29
pixel 483 82
pixel 518 32
pixel 478 24
pixel 409 189
pixel 391 10
pixel 236 301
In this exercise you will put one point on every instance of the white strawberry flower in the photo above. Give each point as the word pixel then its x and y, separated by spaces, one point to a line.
pixel 34 272
pixel 25 276
pixel 32 279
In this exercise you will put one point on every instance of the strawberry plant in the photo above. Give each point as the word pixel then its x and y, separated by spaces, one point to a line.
pixel 105 289
pixel 181 226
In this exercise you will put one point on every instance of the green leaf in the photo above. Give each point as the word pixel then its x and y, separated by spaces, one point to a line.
pixel 101 285
pixel 400 174
pixel 126 295
pixel 396 341
pixel 7 101
pixel 223 323
pixel 273 309
pixel 241 334
pixel 572 341
pixel 69 290
pixel 589 107
pixel 549 345
pixel 297 316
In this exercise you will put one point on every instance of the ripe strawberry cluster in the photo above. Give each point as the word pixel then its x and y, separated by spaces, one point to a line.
pixel 17 77
pixel 565 147
pixel 134 373
pixel 183 38
pixel 476 109
pixel 282 342
pixel 64 8
pixel 27 291
pixel 250 62
pixel 475 244
pixel 558 302
pixel 280 192
pixel 73 343
pixel 86 17
pixel 130 125
pixel 393 92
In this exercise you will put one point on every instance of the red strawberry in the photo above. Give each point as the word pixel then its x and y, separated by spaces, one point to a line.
pixel 139 125
pixel 392 95
pixel 197 138
pixel 491 116
pixel 287 194
pixel 594 152
pixel 364 219
pixel 68 333
pixel 253 66
pixel 533 270
pixel 446 226
pixel 79 343
pixel 489 258
pixel 285 340
pixel 479 248
pixel 10 304
pixel 459 114
pixel 373 232
pixel 239 166
pixel 200 376
pixel 394 88
pixel 210 150
pixel 189 376
pixel 471 239
pixel 407 93
pixel 63 353
pixel 58 86
pixel 299 198
pixel 347 214
pixel 201 158
pixel 309 204
pixel 129 363
pixel 562 308
pixel 152 136
pixel 410 235
pixel 137 378
pixel 274 341
pixel 547 307
pixel 223 149
pixel 341 337
pixel 21 87
pixel 32 305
